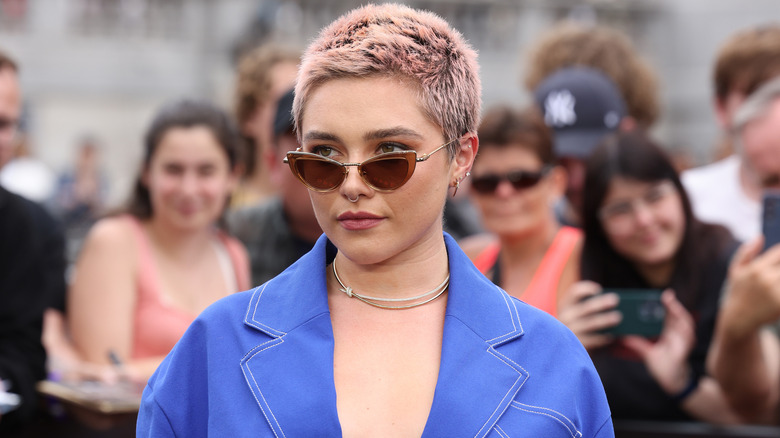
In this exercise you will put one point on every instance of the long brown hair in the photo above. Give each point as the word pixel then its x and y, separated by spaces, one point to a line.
pixel 635 156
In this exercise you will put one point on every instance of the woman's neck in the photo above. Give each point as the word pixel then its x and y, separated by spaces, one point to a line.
pixel 406 275
pixel 531 246
pixel 657 275
pixel 182 244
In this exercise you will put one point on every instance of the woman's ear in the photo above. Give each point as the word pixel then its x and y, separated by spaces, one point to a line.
pixel 464 159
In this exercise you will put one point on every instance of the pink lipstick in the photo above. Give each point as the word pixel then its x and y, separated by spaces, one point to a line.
pixel 355 221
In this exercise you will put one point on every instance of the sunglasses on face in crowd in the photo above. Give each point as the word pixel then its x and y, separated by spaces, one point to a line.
pixel 8 124
pixel 520 179
pixel 384 172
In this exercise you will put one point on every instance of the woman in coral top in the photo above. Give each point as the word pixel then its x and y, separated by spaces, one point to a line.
pixel 144 275
pixel 514 184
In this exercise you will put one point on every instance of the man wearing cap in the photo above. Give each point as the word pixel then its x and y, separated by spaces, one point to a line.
pixel 280 230
pixel 582 106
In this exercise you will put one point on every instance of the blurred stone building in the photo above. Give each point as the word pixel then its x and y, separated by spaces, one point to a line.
pixel 101 67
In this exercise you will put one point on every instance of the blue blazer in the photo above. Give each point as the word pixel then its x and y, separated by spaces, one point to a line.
pixel 260 364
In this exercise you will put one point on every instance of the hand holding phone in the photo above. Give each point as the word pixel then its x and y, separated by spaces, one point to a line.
pixel 666 357
pixel 586 312
pixel 642 310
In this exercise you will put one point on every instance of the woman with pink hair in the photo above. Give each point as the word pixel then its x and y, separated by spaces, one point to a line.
pixel 385 328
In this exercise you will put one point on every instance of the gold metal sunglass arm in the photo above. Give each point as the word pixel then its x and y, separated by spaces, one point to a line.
pixel 285 160
pixel 428 155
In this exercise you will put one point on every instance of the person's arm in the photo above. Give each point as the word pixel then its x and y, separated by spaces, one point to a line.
pixel 667 361
pixel 745 358
pixel 586 311
pixel 102 297
pixel 747 369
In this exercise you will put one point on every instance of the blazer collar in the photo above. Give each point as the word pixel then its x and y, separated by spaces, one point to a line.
pixel 475 379
pixel 294 296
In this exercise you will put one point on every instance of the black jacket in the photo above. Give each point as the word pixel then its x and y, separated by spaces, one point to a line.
pixel 32 277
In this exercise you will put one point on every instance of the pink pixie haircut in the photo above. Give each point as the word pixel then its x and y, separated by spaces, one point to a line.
pixel 397 41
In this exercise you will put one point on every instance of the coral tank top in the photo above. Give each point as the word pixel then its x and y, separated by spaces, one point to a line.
pixel 158 324
pixel 542 292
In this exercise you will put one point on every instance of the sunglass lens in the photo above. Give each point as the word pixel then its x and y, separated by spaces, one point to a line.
pixel 524 180
pixel 485 184
pixel 386 173
pixel 319 174
pixel 6 123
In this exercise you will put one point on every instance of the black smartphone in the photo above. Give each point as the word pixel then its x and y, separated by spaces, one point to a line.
pixel 770 218
pixel 642 310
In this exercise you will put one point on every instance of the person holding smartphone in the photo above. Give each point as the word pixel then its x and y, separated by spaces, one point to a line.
pixel 745 357
pixel 385 328
pixel 640 233
pixel 746 353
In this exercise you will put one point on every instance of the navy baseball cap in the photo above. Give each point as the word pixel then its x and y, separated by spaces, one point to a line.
pixel 581 105
pixel 283 121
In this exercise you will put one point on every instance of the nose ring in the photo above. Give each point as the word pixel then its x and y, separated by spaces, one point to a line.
pixel 353 200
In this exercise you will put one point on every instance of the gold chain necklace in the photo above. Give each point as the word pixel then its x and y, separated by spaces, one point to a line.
pixel 436 292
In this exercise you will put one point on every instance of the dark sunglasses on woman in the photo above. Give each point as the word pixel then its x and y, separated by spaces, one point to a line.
pixel 520 179
pixel 384 172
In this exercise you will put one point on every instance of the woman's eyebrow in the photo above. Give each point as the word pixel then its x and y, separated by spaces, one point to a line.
pixel 376 134
pixel 398 131
pixel 321 135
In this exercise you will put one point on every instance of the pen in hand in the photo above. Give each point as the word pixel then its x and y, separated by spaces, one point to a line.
pixel 119 366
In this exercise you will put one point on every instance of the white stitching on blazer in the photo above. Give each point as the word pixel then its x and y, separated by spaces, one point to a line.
pixel 570 427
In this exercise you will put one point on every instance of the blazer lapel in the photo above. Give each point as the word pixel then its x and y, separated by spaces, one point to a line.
pixel 291 373
pixel 476 381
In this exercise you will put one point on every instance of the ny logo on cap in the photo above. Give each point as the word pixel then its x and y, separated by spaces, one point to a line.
pixel 559 109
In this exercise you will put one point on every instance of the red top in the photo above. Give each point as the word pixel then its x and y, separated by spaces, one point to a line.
pixel 542 291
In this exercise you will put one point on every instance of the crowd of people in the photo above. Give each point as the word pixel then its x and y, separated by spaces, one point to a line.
pixel 411 263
